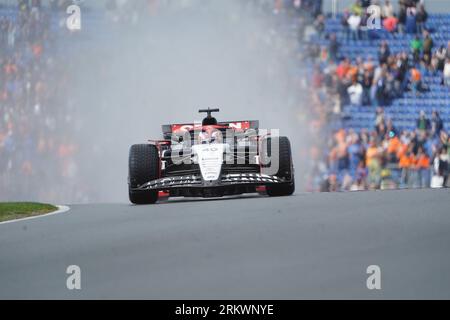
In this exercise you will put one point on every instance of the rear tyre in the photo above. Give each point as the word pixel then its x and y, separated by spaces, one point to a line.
pixel 143 166
pixel 285 168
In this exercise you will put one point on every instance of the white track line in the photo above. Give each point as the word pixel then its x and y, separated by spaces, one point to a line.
pixel 61 209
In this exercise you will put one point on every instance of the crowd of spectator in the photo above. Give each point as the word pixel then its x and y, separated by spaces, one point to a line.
pixel 410 18
pixel 381 156
pixel 377 80
pixel 36 149
pixel 385 158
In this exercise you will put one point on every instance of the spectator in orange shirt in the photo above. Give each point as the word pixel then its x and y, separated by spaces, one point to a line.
pixel 405 165
pixel 390 24
pixel 373 164
pixel 352 72
pixel 402 150
pixel 393 148
pixel 423 165
pixel 343 68
pixel 371 153
pixel 416 80
pixel 413 179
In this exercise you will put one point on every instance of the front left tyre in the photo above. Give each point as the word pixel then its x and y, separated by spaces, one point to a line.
pixel 143 166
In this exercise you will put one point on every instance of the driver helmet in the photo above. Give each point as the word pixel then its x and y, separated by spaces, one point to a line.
pixel 210 135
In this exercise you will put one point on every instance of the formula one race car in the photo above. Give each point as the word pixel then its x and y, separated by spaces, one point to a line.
pixel 211 159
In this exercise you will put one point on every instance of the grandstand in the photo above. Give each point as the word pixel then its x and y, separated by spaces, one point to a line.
pixel 404 110
pixel 390 127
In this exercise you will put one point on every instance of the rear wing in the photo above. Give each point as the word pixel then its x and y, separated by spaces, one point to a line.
pixel 168 129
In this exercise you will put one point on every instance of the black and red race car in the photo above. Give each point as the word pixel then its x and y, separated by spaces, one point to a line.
pixel 211 159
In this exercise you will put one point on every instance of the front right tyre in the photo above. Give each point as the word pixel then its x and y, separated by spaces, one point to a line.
pixel 283 152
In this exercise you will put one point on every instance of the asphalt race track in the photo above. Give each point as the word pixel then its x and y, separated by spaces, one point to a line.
pixel 304 246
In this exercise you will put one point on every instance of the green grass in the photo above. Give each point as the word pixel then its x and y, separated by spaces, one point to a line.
pixel 19 210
